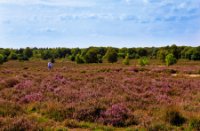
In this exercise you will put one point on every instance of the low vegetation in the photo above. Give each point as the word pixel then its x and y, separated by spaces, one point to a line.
pixel 103 96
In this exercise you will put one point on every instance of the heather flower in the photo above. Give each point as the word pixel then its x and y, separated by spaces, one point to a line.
pixel 24 84
pixel 31 98
pixel 116 115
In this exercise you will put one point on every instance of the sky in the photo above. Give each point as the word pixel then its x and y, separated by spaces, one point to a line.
pixel 84 23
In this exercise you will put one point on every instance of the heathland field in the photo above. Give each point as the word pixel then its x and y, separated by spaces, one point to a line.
pixel 99 96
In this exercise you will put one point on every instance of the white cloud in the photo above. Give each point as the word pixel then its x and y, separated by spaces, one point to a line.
pixel 146 1
pixel 74 3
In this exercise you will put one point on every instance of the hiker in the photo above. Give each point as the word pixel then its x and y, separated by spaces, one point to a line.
pixel 50 65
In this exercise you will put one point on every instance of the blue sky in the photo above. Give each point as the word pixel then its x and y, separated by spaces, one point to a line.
pixel 84 23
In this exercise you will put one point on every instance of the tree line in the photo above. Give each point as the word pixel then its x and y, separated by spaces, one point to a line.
pixel 99 54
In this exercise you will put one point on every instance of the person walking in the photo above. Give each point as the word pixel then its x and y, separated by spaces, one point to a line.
pixel 50 65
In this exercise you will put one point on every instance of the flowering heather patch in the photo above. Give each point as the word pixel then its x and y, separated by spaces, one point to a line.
pixel 109 94
pixel 24 84
pixel 31 98
pixel 117 115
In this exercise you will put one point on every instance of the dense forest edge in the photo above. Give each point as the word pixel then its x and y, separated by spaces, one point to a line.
pixel 101 54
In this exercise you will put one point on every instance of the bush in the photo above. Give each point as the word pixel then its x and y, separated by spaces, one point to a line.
pixel 72 57
pixel 12 56
pixel 79 59
pixel 90 114
pixel 174 117
pixel 46 54
pixel 1 59
pixel 99 57
pixel 170 60
pixel 195 124
pixel 143 61
pixel 126 60
pixel 91 56
pixel 118 115
pixel 22 57
pixel 21 124
pixel 111 55
pixel 10 82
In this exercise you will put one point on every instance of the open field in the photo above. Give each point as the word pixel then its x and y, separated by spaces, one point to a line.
pixel 99 96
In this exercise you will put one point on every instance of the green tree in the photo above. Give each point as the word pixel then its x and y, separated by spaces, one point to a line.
pixel 170 59
pixel 111 55
pixel 6 52
pixel 46 54
pixel 142 52
pixel 12 56
pixel 162 53
pixel 75 51
pixel 91 56
pixel 1 59
pixel 79 59
pixel 126 60
pixel 22 57
pixel 28 52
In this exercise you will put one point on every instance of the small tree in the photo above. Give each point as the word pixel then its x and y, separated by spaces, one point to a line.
pixel 22 57
pixel 46 54
pixel 28 52
pixel 91 56
pixel 170 60
pixel 1 59
pixel 143 61
pixel 79 59
pixel 12 56
pixel 111 55
pixel 126 60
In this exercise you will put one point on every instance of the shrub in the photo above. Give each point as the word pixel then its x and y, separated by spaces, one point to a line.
pixel 12 56
pixel 143 61
pixel 79 59
pixel 21 124
pixel 10 82
pixel 195 124
pixel 90 114
pixel 126 60
pixel 72 57
pixel 91 56
pixel 28 52
pixel 174 117
pixel 170 60
pixel 99 57
pixel 1 59
pixel 111 55
pixel 46 54
pixel 33 97
pixel 22 57
pixel 118 115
